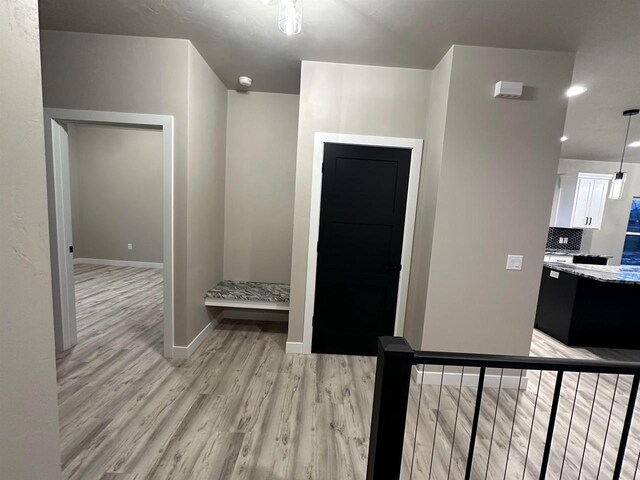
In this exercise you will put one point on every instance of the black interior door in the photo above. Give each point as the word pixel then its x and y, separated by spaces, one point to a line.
pixel 364 198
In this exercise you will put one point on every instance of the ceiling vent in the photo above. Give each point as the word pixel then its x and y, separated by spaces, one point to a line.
pixel 508 89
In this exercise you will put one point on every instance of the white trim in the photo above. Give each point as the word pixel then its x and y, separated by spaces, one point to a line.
pixel 55 118
pixel 60 235
pixel 226 303
pixel 415 145
pixel 186 352
pixel 427 377
pixel 295 347
pixel 117 263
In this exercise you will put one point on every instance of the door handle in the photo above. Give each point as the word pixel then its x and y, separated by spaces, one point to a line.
pixel 71 249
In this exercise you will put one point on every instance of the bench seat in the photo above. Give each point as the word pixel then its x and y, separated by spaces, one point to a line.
pixel 253 295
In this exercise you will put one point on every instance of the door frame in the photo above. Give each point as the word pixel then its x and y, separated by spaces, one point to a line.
pixel 320 138
pixel 59 205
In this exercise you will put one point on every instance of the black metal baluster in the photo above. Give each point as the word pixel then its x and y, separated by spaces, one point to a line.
pixel 627 426
pixel 573 408
pixel 493 428
pixel 551 426
pixel 513 424
pixel 637 465
pixel 474 426
pixel 586 438
pixel 415 433
pixel 533 419
pixel 455 424
pixel 435 430
pixel 606 432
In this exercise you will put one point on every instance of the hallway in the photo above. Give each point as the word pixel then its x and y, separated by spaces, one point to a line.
pixel 238 408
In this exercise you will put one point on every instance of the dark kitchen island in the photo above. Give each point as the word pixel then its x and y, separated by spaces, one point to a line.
pixel 590 305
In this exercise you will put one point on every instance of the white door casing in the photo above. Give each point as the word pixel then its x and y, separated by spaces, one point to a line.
pixel 413 144
pixel 60 228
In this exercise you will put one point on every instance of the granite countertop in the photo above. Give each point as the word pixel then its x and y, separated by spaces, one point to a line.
pixel 575 253
pixel 253 291
pixel 609 274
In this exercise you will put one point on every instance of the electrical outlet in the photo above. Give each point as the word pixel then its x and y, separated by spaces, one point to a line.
pixel 130 246
pixel 514 262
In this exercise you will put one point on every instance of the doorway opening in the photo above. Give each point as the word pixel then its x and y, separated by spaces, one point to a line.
pixel 93 217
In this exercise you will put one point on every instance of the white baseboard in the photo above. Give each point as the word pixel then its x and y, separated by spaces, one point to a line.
pixel 295 347
pixel 117 263
pixel 186 352
pixel 469 380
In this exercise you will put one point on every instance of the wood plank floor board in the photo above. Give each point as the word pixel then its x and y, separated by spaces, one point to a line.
pixel 240 408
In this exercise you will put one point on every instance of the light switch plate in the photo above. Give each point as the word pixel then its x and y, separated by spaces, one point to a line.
pixel 130 246
pixel 514 262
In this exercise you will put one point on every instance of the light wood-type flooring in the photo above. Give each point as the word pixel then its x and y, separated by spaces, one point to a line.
pixel 241 408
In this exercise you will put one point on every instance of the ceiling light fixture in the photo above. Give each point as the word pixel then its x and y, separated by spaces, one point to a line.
pixel 576 90
pixel 564 138
pixel 617 186
pixel 290 17
pixel 635 144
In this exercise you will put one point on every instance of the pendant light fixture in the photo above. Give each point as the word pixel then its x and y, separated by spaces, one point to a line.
pixel 617 185
pixel 290 17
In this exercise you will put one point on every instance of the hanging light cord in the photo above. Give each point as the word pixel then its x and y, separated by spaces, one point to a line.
pixel 624 148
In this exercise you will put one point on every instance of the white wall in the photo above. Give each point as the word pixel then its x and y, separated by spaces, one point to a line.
pixel 610 238
pixel 353 99
pixel 262 132
pixel 116 192
pixel 29 442
pixel 498 166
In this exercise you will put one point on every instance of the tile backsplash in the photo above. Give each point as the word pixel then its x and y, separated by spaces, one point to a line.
pixel 573 234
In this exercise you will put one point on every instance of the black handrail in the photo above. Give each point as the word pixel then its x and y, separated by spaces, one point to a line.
pixel 525 363
pixel 393 376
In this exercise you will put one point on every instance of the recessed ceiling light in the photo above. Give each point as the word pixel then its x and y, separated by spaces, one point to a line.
pixel 564 138
pixel 635 144
pixel 576 90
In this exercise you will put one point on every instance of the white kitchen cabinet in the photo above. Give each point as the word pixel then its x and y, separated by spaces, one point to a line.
pixel 579 200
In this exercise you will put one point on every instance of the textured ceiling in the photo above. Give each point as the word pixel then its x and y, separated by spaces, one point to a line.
pixel 240 37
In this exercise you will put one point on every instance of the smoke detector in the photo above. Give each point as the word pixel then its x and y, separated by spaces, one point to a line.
pixel 508 89
pixel 245 82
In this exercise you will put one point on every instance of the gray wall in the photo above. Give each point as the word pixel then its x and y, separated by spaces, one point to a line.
pixel 353 99
pixel 427 201
pixel 29 443
pixel 262 132
pixel 498 166
pixel 206 184
pixel 152 75
pixel 610 238
pixel 116 192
